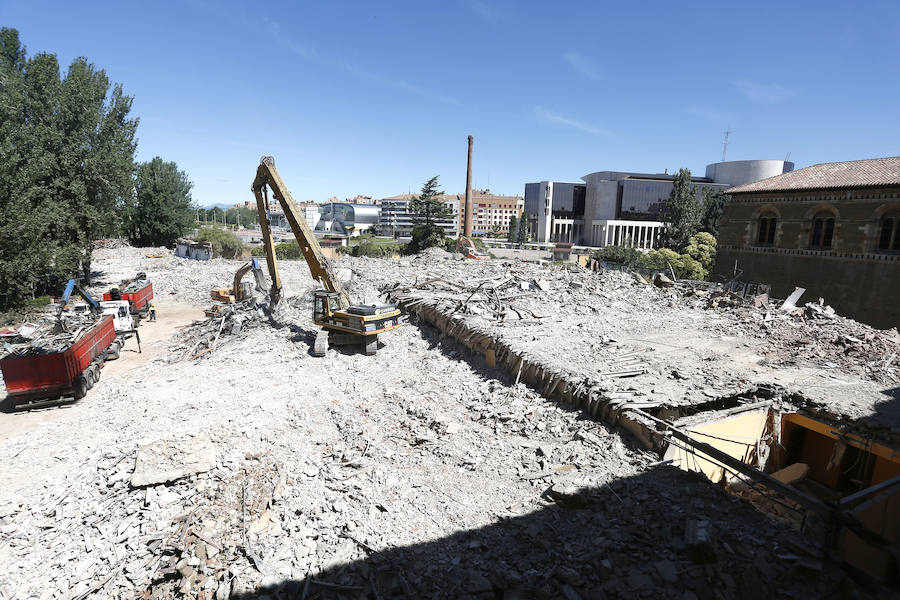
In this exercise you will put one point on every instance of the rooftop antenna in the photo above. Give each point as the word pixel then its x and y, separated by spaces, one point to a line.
pixel 725 145
pixel 787 157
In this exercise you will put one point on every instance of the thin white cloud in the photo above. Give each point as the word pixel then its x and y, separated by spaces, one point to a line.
pixel 310 55
pixel 582 65
pixel 709 114
pixel 763 93
pixel 485 10
pixel 286 42
pixel 553 117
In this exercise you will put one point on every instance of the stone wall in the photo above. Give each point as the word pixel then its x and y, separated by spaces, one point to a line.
pixel 852 276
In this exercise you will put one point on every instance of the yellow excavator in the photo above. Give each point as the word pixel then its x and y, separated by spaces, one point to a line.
pixel 240 291
pixel 341 322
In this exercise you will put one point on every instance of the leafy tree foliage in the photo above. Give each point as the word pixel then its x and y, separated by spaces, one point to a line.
pixel 161 210
pixel 224 242
pixel 681 213
pixel 702 248
pixel 243 216
pixel 714 202
pixel 427 210
pixel 694 263
pixel 513 229
pixel 522 236
pixel 284 251
pixel 66 162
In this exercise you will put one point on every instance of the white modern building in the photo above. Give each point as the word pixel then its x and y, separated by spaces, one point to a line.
pixel 396 221
pixel 623 208
pixel 348 219
pixel 310 210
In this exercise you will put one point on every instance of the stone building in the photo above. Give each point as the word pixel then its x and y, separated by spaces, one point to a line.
pixel 491 213
pixel 832 228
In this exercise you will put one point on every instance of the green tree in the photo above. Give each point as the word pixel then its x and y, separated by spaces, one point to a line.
pixel 224 242
pixel 522 236
pixel 162 209
pixel 681 213
pixel 513 229
pixel 66 163
pixel 702 248
pixel 714 202
pixel 428 210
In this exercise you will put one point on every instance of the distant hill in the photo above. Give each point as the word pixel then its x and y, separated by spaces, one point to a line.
pixel 218 205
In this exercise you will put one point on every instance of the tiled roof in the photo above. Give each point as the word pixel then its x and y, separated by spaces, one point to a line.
pixel 847 174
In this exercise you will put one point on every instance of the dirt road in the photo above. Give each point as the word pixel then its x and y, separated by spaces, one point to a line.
pixel 172 315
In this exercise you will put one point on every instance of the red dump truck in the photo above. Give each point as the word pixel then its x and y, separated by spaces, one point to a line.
pixel 138 293
pixel 70 372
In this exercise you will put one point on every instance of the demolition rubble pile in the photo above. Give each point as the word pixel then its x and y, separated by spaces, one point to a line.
pixel 408 474
pixel 410 479
pixel 182 279
pixel 685 343
pixel 46 335
pixel 220 328
pixel 110 244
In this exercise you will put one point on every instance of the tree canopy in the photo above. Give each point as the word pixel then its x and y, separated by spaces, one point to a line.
pixel 513 229
pixel 68 175
pixel 161 209
pixel 427 210
pixel 714 202
pixel 66 161
pixel 681 213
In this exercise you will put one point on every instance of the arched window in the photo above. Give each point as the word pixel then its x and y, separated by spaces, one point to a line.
pixel 823 230
pixel 889 240
pixel 767 224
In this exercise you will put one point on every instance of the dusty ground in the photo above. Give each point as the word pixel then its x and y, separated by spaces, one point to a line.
pixel 409 474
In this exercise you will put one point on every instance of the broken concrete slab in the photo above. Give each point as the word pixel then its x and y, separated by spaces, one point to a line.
pixel 791 302
pixel 171 459
pixel 792 474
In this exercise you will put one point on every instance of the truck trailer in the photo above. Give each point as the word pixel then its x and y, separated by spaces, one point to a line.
pixel 138 293
pixel 33 375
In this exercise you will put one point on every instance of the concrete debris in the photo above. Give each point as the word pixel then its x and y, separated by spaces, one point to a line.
pixel 412 473
pixel 203 337
pixel 111 244
pixel 791 302
pixel 168 460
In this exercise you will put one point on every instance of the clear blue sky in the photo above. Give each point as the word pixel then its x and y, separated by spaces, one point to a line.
pixel 376 97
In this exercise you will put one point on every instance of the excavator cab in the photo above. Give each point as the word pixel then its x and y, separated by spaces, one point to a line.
pixel 325 304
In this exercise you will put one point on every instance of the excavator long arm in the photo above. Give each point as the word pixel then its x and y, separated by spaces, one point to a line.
pixel 253 265
pixel 319 267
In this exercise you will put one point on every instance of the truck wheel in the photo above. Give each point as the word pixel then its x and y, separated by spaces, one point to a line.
pixel 371 345
pixel 90 376
pixel 79 387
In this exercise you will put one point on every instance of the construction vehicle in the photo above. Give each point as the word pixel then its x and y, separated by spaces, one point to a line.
pixel 341 322
pixel 467 248
pixel 241 291
pixel 119 310
pixel 137 291
pixel 71 371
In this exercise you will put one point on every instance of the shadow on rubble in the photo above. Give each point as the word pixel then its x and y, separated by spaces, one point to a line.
pixel 889 408
pixel 656 534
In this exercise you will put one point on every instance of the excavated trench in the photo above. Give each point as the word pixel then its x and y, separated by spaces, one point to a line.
pixel 774 448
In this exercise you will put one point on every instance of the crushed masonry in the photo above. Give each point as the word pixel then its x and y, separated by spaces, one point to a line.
pixel 414 473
